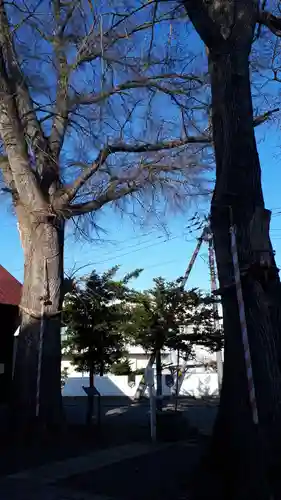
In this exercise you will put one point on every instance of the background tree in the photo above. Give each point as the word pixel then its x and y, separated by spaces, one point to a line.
pixel 167 316
pixel 229 29
pixel 82 86
pixel 94 317
pixel 122 367
pixel 121 113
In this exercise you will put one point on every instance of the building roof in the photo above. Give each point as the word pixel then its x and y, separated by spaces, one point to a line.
pixel 10 288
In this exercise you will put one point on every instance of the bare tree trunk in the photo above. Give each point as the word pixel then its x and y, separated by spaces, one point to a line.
pixel 245 456
pixel 42 241
pixel 248 457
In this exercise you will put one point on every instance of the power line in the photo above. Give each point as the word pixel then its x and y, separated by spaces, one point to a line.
pixel 139 236
pixel 134 245
pixel 116 243
pixel 137 250
pixel 164 263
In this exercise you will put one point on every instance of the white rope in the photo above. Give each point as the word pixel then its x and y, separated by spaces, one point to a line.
pixel 40 347
pixel 242 317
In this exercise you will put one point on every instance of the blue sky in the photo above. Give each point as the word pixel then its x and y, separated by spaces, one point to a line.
pixel 131 246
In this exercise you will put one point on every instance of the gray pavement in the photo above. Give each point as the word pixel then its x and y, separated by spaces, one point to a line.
pixel 27 490
pixel 124 472
pixel 127 468
pixel 123 411
pixel 162 475
pixel 50 473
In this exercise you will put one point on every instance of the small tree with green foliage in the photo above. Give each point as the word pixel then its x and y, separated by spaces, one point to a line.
pixel 94 314
pixel 169 316
pixel 122 367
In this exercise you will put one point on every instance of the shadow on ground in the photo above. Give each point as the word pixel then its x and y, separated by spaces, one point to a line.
pixel 162 475
pixel 120 424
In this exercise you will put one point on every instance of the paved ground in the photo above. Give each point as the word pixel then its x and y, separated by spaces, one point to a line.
pixel 200 413
pixel 130 472
pixel 101 469
pixel 162 475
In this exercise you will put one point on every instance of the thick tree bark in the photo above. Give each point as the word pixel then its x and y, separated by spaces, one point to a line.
pixel 42 241
pixel 245 456
pixel 248 456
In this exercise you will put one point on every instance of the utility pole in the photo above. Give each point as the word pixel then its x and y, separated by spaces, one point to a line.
pixel 149 379
pixel 207 237
pixel 142 385
pixel 194 257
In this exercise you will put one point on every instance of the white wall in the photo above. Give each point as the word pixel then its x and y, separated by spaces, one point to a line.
pixel 199 380
pixel 195 385
pixel 109 385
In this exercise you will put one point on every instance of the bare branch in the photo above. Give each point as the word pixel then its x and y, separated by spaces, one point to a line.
pixel 158 146
pixel 87 173
pixel 203 23
pixel 273 23
pixel 262 9
pixel 20 89
pixel 142 82
pixel 64 22
pixel 258 120
pixel 61 109
pixel 74 108
pixel 121 147
pixel 111 194
pixel 148 173
pixel 13 139
pixel 90 46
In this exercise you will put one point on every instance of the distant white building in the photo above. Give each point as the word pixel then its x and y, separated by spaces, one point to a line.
pixel 200 379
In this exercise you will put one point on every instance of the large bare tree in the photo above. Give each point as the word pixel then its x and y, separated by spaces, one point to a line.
pixel 97 104
pixel 245 455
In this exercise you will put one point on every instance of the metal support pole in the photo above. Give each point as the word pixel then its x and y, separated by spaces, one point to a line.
pixel 149 376
pixel 177 381
pixel 215 305
pixel 152 413
pixel 244 329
